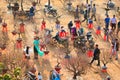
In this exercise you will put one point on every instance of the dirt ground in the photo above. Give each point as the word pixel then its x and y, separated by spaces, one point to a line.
pixel 47 63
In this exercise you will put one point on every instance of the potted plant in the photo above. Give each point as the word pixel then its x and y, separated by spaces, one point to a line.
pixel 2 66
pixel 4 24
pixel 3 47
pixel 7 77
pixel 4 70
pixel 104 68
pixel 105 60
pixel 22 30
pixel 14 32
pixel 46 52
pixel 36 31
pixel 58 68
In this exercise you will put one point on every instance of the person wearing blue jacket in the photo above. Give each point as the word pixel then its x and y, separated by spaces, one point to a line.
pixel 107 22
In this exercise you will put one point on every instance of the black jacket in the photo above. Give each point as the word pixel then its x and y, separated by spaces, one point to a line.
pixel 70 25
pixel 119 24
pixel 117 46
pixel 96 53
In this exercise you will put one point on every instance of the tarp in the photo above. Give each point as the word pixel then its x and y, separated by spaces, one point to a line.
pixel 36 44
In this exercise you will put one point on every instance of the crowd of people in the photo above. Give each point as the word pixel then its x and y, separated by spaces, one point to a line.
pixel 112 27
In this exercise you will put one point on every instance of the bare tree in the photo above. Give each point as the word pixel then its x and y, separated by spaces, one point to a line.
pixel 105 55
pixel 77 65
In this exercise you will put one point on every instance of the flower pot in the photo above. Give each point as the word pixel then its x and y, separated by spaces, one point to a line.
pixel 4 71
pixel 22 30
pixel 4 24
pixel 14 32
pixel 58 68
pixel 36 32
pixel 3 47
pixel 98 32
pixel 19 40
pixel 104 69
pixel 46 52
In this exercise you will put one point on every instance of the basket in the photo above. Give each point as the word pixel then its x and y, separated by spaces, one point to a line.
pixel 14 32
pixel 46 52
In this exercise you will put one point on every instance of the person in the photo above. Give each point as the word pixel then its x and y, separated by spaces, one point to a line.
pixel 32 10
pixel 54 75
pixel 57 25
pixel 88 10
pixel 118 27
pixel 80 31
pixel 70 24
pixel 35 50
pixel 96 55
pixel 73 32
pixel 117 48
pixel 56 36
pixel 112 51
pixel 39 76
pixel 113 23
pixel 85 16
pixel 107 21
pixel 89 35
pixel 77 12
pixel 32 72
pixel 27 54
pixel 90 23
pixel 94 12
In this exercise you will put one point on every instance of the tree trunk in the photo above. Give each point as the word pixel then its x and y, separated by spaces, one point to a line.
pixel 75 76
pixel 48 2
pixel 87 1
pixel 104 64
pixel 22 5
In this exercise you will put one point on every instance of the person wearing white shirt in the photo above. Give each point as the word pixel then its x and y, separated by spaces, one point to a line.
pixel 113 23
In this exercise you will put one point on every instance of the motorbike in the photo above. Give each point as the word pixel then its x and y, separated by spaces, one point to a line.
pixel 50 10
pixel 14 7
pixel 64 42
pixel 90 40
pixel 80 42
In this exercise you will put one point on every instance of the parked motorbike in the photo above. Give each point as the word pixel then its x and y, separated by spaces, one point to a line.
pixel 80 42
pixel 50 10
pixel 64 42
